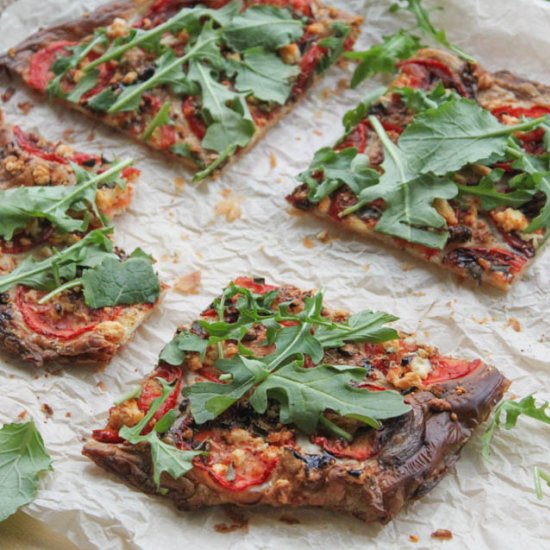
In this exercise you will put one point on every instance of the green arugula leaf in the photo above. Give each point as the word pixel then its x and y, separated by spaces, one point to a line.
pixel 382 58
pixel 304 394
pixel 334 45
pixel 265 75
pixel 513 410
pixel 330 170
pixel 115 282
pixel 457 133
pixel 103 100
pixel 164 457
pixel 418 100
pixel 539 476
pixel 23 458
pixel 357 114
pixel 85 84
pixel 263 26
pixel 161 118
pixel 174 353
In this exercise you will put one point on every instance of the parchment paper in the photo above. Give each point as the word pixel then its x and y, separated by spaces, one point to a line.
pixel 485 506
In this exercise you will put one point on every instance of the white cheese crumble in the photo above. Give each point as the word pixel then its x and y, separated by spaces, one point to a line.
pixel 421 366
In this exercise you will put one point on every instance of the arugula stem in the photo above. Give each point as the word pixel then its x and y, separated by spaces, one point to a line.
pixel 157 121
pixel 199 176
pixel 139 39
pixel 138 90
pixel 538 474
pixel 67 286
pixel 335 429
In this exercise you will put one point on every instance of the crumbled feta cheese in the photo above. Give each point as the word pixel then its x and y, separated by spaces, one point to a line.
pixel 421 366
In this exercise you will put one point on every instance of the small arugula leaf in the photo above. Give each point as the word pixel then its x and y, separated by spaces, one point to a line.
pixel 357 114
pixel 513 410
pixel 115 282
pixel 209 399
pixel 85 84
pixel 334 45
pixel 164 457
pixel 174 353
pixel 331 169
pixel 265 75
pixel 161 118
pixel 539 476
pixel 366 326
pixel 266 26
pixel 457 133
pixel 304 394
pixel 418 100
pixel 382 58
pixel 23 458
pixel 103 100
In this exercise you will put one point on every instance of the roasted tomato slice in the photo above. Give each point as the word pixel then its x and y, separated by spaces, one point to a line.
pixel 40 65
pixel 307 67
pixel 108 435
pixel 22 242
pixel 424 72
pixel 530 112
pixel 27 144
pixel 254 285
pixel 356 138
pixel 152 389
pixel 361 448
pixel 236 460
pixel 446 368
pixel 299 6
pixel 194 119
pixel 55 319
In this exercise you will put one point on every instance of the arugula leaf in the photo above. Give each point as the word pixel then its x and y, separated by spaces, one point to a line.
pixel 539 476
pixel 266 26
pixel 513 410
pixel 22 458
pixel 18 206
pixel 382 58
pixel 164 457
pixel 334 45
pixel 418 100
pixel 174 353
pixel 84 85
pixel 114 282
pixel 161 118
pixel 265 75
pixel 330 170
pixel 357 114
pixel 305 393
pixel 409 213
pixel 457 133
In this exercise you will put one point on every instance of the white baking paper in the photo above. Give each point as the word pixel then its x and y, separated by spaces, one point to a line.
pixel 485 506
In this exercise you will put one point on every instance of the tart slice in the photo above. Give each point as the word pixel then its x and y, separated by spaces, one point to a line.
pixel 451 164
pixel 269 398
pixel 199 81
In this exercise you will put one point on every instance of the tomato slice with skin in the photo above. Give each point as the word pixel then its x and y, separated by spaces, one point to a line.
pixel 361 448
pixel 196 123
pixel 447 368
pixel 307 67
pixel 40 72
pixel 39 318
pixel 108 435
pixel 432 67
pixel 529 112
pixel 32 148
pixel 256 288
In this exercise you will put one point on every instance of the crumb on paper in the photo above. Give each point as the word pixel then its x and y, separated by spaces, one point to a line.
pixel 326 93
pixel 308 242
pixel 295 212
pixel 46 409
pixel 230 206
pixel 12 52
pixel 318 132
pixel 342 86
pixel 238 521
pixel 189 284
pixel 8 94
pixel 481 320
pixel 22 415
pixel 366 268
pixel 407 267
pixel 289 520
pixel 273 161
pixel 25 107
pixel 414 538
pixel 442 534
pixel 199 255
pixel 418 293
pixel 325 237
pixel 90 136
pixel 179 182
pixel 454 417
pixel 514 324
pixel 101 386
pixel 68 414
pixel 68 135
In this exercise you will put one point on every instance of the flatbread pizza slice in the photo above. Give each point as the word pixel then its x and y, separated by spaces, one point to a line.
pixel 201 82
pixel 450 163
pixel 270 398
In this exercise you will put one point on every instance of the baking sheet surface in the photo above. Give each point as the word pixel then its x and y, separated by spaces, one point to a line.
pixel 485 506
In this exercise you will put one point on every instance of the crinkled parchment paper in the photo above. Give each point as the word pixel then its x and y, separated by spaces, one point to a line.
pixel 485 506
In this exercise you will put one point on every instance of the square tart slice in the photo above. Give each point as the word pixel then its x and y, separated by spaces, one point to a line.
pixel 485 220
pixel 199 81
pixel 307 407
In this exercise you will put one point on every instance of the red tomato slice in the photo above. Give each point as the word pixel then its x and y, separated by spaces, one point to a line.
pixel 361 448
pixel 432 68
pixel 530 112
pixel 44 320
pixel 256 288
pixel 24 141
pixel 446 368
pixel 195 121
pixel 357 138
pixel 41 62
pixel 107 436
pixel 251 471
pixel 307 66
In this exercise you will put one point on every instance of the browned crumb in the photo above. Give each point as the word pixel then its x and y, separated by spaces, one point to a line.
pixel 460 390
pixel 179 182
pixel 442 534
pixel 101 385
pixel 22 415
pixel 289 520
pixel 46 409
pixel 273 161
pixel 454 417
pixel 325 237
pixel 295 212
pixel 12 52
pixel 230 206
pixel 25 107
pixel 189 284
pixel 439 405
pixel 414 538
pixel 366 268
pixel 326 93
pixel 68 135
pixel 407 267
pixel 68 414
pixel 343 85
pixel 308 242
pixel 514 323
pixel 238 521
pixel 318 132
pixel 8 94
pixel 90 136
